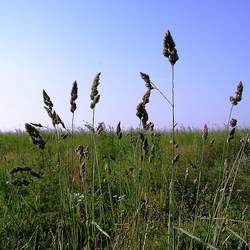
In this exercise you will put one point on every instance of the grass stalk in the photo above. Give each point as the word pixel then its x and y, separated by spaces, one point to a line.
pixel 171 236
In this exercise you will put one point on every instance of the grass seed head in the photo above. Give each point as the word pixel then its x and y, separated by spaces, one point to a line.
pixel 168 43
pixel 233 122
pixel 169 49
pixel 147 80
pixel 35 136
pixel 239 91
pixel 238 94
pixel 142 112
pixel 74 91
pixel 205 132
pixel 25 169
pixel 73 97
pixel 118 130
pixel 47 101
pixel 94 92
pixel 100 129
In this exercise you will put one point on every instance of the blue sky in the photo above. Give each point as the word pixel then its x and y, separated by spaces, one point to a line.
pixel 49 44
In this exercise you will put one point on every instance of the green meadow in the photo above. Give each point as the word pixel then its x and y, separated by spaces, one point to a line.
pixel 126 205
pixel 105 188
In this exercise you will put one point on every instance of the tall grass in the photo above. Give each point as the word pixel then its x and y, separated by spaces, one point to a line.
pixel 114 189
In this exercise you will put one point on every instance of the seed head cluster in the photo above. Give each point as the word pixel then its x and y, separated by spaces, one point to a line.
pixel 100 129
pixel 35 136
pixel 141 111
pixel 147 80
pixel 205 132
pixel 56 120
pixel 25 169
pixel 169 49
pixel 95 96
pixel 73 97
pixel 232 123
pixel 119 130
pixel 238 94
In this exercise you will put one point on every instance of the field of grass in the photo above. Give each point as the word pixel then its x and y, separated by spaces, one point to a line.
pixel 111 189
pixel 129 206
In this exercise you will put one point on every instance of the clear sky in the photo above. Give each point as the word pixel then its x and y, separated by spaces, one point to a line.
pixel 48 44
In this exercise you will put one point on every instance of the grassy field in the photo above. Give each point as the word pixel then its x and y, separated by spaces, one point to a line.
pixel 113 189
pixel 126 205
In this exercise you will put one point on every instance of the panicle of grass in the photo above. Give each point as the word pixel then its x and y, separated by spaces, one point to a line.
pixel 118 130
pixel 100 129
pixel 55 118
pixel 47 101
pixel 25 169
pixel 82 152
pixel 205 132
pixel 73 97
pixel 94 96
pixel 168 44
pixel 239 91
pixel 238 94
pixel 232 123
pixel 35 136
pixel 169 49
pixel 147 80
pixel 142 113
